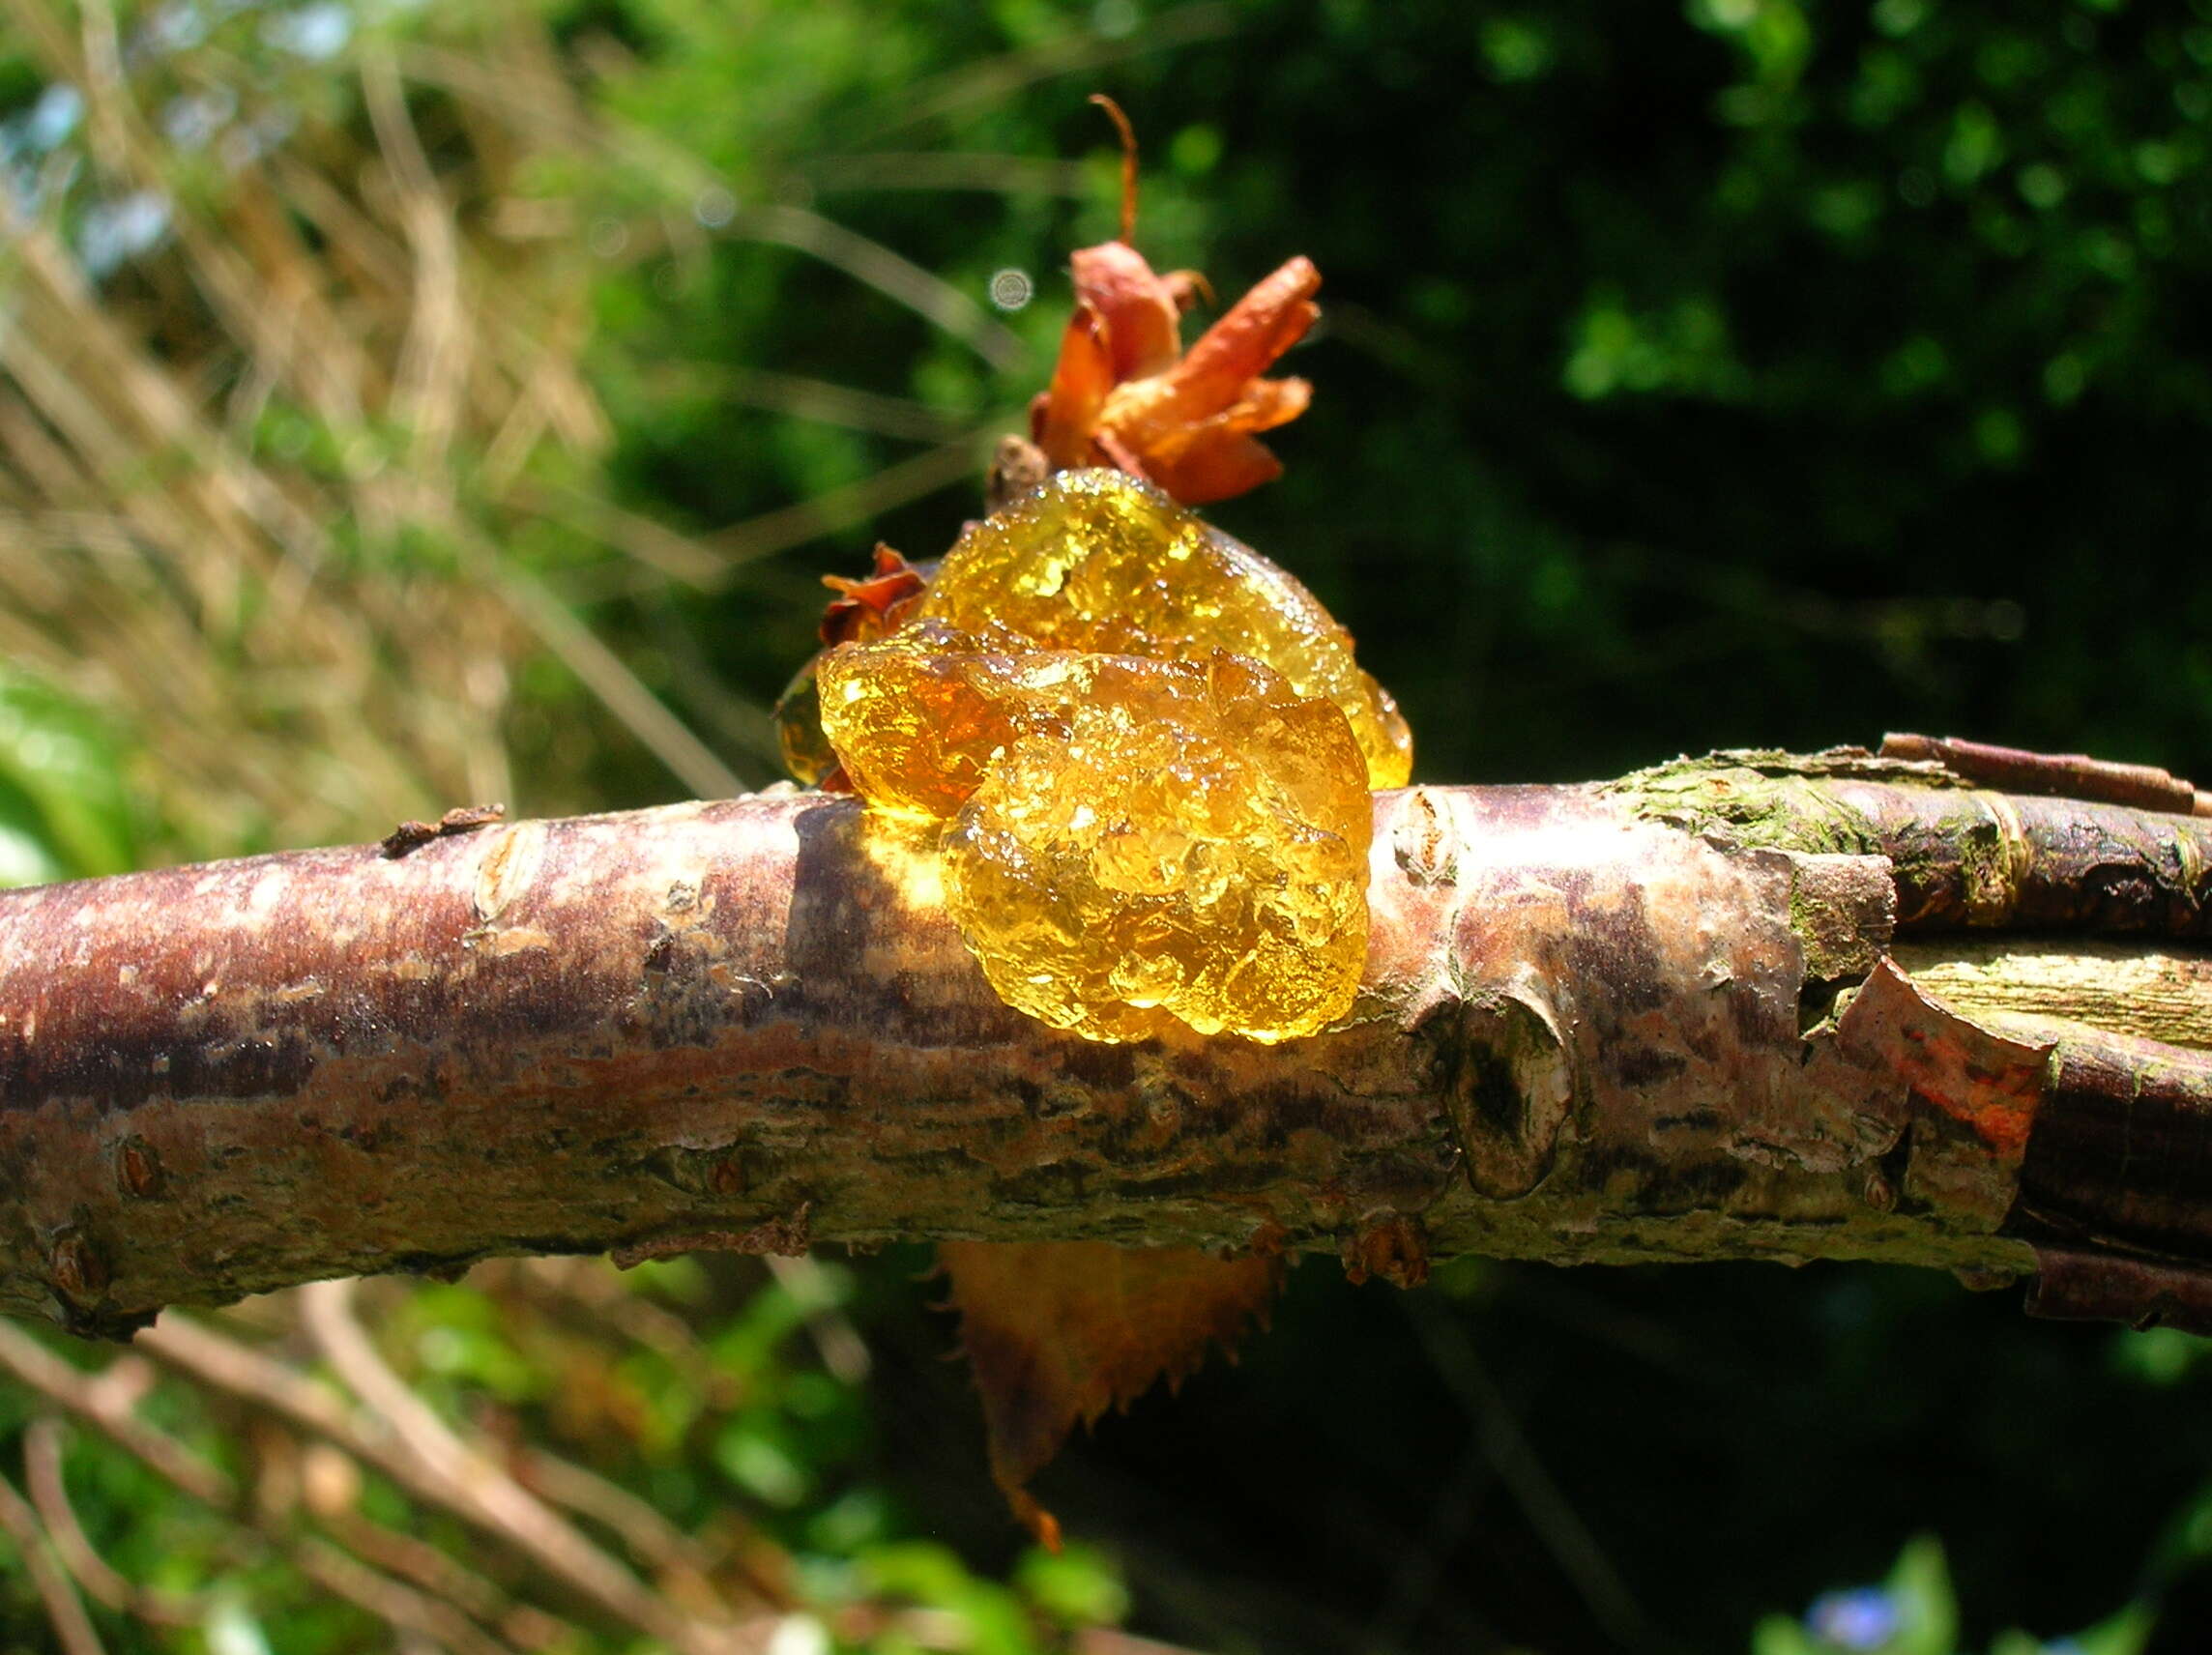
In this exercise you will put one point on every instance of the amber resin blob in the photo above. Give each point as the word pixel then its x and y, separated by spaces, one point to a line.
pixel 1095 559
pixel 1150 751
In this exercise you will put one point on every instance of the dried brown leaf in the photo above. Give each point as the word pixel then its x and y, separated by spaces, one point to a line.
pixel 1060 1332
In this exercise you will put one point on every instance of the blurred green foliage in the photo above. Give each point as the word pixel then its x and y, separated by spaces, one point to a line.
pixel 1915 1611
pixel 1752 371
pixel 690 1383
pixel 1839 352
pixel 64 810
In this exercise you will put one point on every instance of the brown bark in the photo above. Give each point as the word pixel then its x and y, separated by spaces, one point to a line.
pixel 1653 1020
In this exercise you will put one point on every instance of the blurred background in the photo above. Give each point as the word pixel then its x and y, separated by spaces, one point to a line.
pixel 405 405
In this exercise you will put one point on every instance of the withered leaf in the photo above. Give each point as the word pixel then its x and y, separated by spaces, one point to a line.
pixel 1060 1332
pixel 1185 422
pixel 1124 394
pixel 871 606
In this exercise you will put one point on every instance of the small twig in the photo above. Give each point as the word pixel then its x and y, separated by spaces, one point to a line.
pixel 84 1394
pixel 835 509
pixel 433 361
pixel 330 1482
pixel 831 405
pixel 992 81
pixel 645 1533
pixel 928 296
pixel 1572 1545
pixel 105 1399
pixel 72 1626
pixel 619 689
pixel 586 1288
pixel 93 1573
pixel 836 1341
pixel 398 1604
pixel 2067 776
pixel 1413 1580
pixel 465 1481
pixel 664 550
pixel 226 1366
pixel 947 169
pixel 1128 135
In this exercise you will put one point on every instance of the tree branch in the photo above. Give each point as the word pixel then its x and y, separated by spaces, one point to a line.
pixel 1655 1019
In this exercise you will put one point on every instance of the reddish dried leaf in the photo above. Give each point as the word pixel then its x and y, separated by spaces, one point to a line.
pixel 871 606
pixel 1060 1332
pixel 1139 309
pixel 1187 288
pixel 1120 395
pixel 1217 469
pixel 1218 457
pixel 1244 343
pixel 1064 419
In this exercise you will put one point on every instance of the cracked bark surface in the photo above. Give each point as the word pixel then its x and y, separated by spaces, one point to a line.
pixel 1751 1005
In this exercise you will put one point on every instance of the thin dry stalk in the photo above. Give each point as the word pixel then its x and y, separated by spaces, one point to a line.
pixel 402 1439
pixel 64 1609
pixel 42 1442
pixel 218 471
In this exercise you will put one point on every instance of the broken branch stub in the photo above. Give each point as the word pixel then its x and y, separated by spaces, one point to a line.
pixel 1645 1021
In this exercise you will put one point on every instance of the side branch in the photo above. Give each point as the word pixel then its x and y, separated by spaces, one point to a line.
pixel 1655 1020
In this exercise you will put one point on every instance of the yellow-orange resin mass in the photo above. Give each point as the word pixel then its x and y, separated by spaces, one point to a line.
pixel 1095 559
pixel 1130 842
pixel 1150 751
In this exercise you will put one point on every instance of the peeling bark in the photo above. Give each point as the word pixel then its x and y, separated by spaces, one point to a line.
pixel 1667 1018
